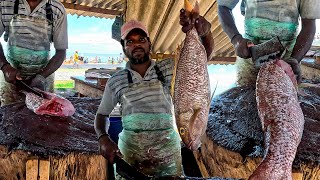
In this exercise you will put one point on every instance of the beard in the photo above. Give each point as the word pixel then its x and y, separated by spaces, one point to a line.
pixel 139 60
pixel 142 60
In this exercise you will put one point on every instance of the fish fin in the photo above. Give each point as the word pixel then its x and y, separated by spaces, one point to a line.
pixel 214 91
pixel 196 8
pixel 194 117
pixel 174 71
pixel 187 5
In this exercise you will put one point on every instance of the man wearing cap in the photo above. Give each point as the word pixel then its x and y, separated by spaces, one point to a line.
pixel 148 140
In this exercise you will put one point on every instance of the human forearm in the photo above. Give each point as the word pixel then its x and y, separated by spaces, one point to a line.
pixel 100 124
pixel 208 44
pixel 227 22
pixel 54 63
pixel 304 39
pixel 3 60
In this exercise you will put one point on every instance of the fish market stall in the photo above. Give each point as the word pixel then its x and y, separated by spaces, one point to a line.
pixel 92 84
pixel 49 147
pixel 87 87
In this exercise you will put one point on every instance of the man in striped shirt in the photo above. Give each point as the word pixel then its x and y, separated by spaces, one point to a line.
pixel 264 20
pixel 148 140
pixel 29 27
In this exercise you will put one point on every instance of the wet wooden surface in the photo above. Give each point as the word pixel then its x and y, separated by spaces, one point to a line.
pixel 87 86
pixel 68 145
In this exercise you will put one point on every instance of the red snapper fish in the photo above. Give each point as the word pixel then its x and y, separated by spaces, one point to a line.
pixel 282 120
pixel 50 104
pixel 191 88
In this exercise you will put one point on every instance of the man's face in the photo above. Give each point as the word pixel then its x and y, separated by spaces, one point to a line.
pixel 137 47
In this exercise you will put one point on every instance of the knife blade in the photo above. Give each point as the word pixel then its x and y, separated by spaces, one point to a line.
pixel 127 171
pixel 28 88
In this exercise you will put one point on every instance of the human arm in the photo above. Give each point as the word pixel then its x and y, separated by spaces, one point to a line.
pixel 9 72
pixel 228 24
pixel 107 147
pixel 302 45
pixel 203 28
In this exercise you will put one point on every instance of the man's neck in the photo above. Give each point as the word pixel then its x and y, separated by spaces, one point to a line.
pixel 33 4
pixel 141 68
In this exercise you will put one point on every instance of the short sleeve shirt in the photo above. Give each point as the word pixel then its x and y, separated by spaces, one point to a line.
pixel 278 10
pixel 118 83
pixel 60 35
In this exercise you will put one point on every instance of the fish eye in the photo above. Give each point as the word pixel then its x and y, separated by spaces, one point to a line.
pixel 182 131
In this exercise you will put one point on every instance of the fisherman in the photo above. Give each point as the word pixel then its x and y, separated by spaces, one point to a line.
pixel 29 27
pixel 148 140
pixel 265 20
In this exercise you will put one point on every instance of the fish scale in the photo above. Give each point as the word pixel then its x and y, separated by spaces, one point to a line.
pixel 282 121
pixel 191 91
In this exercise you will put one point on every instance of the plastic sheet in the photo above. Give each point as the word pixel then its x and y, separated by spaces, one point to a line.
pixel 28 61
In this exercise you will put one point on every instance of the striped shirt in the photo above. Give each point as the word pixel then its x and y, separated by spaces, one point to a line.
pixel 118 83
pixel 60 35
pixel 278 10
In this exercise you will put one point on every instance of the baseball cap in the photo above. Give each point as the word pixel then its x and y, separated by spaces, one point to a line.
pixel 130 25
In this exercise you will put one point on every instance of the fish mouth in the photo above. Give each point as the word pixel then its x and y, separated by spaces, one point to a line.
pixel 193 145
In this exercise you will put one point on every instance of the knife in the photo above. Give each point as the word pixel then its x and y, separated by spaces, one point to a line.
pixel 28 88
pixel 129 172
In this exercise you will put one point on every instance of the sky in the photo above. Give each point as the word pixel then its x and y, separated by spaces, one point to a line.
pixel 91 35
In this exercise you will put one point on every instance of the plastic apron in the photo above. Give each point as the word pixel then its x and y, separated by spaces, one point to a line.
pixel 259 30
pixel 148 140
pixel 28 50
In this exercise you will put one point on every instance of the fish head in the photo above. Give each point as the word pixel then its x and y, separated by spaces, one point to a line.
pixel 187 127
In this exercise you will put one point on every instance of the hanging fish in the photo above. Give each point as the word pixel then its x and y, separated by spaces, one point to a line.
pixel 50 104
pixel 191 88
pixel 282 120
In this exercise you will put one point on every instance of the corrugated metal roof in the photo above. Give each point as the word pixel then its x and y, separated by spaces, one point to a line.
pixel 95 8
pixel 161 18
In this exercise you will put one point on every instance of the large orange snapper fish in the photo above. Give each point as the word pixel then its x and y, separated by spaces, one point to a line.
pixel 282 120
pixel 191 88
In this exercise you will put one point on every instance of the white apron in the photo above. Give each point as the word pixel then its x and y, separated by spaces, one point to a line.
pixel 148 140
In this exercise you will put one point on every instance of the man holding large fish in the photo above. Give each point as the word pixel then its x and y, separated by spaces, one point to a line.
pixel 276 84
pixel 148 140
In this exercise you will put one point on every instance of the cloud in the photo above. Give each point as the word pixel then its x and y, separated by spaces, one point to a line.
pixel 85 38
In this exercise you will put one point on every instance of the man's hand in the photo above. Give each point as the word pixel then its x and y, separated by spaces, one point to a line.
pixel 200 23
pixel 10 74
pixel 39 82
pixel 295 66
pixel 241 46
pixel 108 148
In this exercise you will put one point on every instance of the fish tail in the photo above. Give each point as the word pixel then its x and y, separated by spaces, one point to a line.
pixel 187 5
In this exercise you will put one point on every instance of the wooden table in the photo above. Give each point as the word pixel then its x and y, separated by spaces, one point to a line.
pixel 87 86
pixel 310 69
